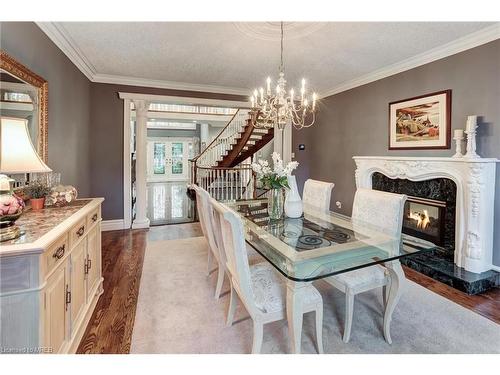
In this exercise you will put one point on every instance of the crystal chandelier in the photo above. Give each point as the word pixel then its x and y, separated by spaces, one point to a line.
pixel 280 108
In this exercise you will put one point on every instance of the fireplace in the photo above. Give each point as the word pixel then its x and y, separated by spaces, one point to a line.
pixel 424 218
pixel 458 193
pixel 429 210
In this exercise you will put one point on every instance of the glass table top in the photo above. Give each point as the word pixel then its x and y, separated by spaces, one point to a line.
pixel 320 244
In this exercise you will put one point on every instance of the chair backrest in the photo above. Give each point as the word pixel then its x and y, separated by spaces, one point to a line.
pixel 217 216
pixel 317 194
pixel 206 218
pixel 233 235
pixel 199 208
pixel 384 210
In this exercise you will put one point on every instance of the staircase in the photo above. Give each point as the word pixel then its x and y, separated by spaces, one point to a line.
pixel 223 168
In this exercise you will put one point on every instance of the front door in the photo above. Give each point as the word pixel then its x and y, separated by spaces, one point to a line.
pixel 168 160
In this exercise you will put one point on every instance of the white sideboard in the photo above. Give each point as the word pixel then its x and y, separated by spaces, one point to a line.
pixel 51 279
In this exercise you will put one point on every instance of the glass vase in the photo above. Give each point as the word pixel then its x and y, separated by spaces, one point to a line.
pixel 275 204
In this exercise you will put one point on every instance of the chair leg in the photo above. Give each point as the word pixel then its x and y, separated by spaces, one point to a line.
pixel 232 306
pixel 220 281
pixel 349 310
pixel 258 332
pixel 384 295
pixel 209 262
pixel 319 328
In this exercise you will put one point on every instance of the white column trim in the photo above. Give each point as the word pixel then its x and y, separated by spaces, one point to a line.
pixel 141 110
pixel 127 167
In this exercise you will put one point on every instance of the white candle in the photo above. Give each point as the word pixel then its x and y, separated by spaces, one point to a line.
pixel 261 94
pixel 314 101
pixel 471 123
pixel 253 102
pixel 268 85
pixel 459 133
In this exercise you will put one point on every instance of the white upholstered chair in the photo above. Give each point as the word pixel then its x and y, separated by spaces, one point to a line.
pixel 260 287
pixel 209 228
pixel 386 210
pixel 317 195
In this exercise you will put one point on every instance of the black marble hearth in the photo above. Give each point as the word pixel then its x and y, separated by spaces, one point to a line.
pixel 439 264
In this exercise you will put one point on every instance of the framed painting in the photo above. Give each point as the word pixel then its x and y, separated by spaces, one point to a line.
pixel 423 122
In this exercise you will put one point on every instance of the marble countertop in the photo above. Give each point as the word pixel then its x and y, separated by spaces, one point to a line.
pixel 40 226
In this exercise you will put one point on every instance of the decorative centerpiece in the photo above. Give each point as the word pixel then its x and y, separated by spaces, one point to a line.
pixel 37 191
pixel 61 195
pixel 11 208
pixel 276 180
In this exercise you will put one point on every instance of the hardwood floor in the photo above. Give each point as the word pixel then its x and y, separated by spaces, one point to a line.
pixel 110 328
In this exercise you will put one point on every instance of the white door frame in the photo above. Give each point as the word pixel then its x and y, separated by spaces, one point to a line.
pixel 170 140
pixel 127 135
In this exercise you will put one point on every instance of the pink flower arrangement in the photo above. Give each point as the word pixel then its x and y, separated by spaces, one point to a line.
pixel 10 205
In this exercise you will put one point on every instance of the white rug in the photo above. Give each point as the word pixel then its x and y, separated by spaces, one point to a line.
pixel 177 313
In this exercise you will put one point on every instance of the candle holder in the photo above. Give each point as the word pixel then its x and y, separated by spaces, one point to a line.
pixel 471 144
pixel 458 146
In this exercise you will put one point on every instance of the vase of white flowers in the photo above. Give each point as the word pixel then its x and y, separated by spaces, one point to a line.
pixel 276 180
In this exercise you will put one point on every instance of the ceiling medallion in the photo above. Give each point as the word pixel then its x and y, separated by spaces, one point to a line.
pixel 270 109
pixel 269 31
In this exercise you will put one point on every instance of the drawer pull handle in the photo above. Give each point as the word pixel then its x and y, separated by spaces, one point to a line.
pixel 80 231
pixel 87 266
pixel 59 253
pixel 94 218
pixel 68 297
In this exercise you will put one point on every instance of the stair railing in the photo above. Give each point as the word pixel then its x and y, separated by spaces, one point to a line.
pixel 224 183
pixel 215 151
pixel 228 184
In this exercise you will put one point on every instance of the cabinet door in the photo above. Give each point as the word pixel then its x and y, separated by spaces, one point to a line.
pixel 93 260
pixel 55 310
pixel 78 282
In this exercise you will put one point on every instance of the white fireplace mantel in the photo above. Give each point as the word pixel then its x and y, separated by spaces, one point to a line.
pixel 475 181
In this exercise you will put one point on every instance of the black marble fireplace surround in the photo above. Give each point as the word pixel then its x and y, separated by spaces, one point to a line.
pixel 438 264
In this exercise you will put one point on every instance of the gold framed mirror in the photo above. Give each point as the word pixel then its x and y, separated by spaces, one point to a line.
pixel 24 94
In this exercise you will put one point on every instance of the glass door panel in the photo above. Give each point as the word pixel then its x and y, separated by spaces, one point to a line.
pixel 177 158
pixel 159 158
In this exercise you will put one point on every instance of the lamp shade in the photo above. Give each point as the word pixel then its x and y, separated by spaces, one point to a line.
pixel 17 154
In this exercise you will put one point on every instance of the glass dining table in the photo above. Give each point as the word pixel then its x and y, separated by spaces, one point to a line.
pixel 321 244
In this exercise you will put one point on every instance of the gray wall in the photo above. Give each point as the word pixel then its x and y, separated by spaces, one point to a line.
pixel 106 130
pixel 355 122
pixel 69 100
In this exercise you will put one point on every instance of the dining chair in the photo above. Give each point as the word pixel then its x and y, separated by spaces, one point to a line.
pixel 208 228
pixel 385 210
pixel 260 287
pixel 317 194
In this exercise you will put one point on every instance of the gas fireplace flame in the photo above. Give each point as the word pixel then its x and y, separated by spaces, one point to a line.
pixel 422 218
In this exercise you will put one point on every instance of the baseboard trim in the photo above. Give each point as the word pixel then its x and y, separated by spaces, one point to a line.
pixel 107 225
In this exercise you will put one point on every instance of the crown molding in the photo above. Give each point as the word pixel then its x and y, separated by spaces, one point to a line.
pixel 61 39
pixel 134 81
pixel 475 39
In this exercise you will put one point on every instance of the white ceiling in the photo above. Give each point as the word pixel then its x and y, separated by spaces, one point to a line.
pixel 237 57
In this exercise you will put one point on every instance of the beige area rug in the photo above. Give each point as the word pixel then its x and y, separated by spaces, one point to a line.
pixel 177 313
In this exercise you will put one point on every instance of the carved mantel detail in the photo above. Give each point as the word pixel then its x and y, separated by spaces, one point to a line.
pixel 475 181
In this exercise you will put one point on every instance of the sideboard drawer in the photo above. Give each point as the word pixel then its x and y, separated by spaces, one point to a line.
pixel 56 252
pixel 93 217
pixel 77 232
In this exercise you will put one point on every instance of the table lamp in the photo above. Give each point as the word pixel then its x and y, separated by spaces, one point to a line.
pixel 17 155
